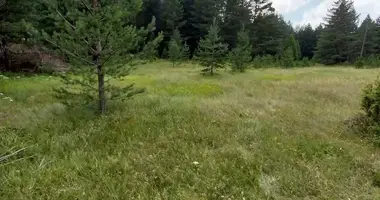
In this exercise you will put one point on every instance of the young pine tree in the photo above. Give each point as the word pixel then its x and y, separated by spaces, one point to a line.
pixel 176 51
pixel 291 52
pixel 212 50
pixel 98 39
pixel 241 54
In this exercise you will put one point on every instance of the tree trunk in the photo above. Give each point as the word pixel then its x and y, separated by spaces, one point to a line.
pixel 4 49
pixel 102 96
pixel 212 70
pixel 100 71
pixel 7 62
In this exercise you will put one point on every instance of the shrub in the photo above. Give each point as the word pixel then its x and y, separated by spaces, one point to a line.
pixel 359 63
pixel 368 123
pixel 371 101
pixel 376 179
pixel 265 61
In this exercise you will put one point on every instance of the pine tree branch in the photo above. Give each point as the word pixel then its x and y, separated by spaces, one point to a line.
pixel 108 58
pixel 87 7
pixel 74 28
pixel 70 53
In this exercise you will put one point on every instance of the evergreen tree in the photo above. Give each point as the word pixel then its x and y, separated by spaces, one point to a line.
pixel 212 50
pixel 366 36
pixel 307 38
pixel 241 54
pixel 291 52
pixel 199 15
pixel 177 52
pixel 16 17
pixel 237 14
pixel 268 34
pixel 97 37
pixel 171 15
pixel 261 7
pixel 377 36
pixel 294 46
pixel 335 44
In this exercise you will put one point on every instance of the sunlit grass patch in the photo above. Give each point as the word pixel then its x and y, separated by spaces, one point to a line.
pixel 278 77
pixel 139 80
pixel 22 88
pixel 190 89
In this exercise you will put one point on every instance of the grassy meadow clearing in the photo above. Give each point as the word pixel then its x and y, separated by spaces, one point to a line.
pixel 264 134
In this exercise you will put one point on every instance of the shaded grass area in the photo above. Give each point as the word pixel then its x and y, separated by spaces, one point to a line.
pixel 264 134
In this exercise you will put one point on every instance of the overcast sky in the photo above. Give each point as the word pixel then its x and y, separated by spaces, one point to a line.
pixel 313 11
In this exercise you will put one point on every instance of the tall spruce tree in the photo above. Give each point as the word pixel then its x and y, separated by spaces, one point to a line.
pixel 98 38
pixel 335 44
pixel 366 38
pixel 377 36
pixel 241 54
pixel 199 15
pixel 268 34
pixel 212 50
pixel 171 13
pixel 237 14
pixel 307 38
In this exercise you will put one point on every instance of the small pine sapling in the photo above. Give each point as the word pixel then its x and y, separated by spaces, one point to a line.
pixel 177 52
pixel 211 50
pixel 241 54
pixel 98 40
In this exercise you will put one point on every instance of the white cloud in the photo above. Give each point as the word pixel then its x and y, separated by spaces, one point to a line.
pixel 315 15
pixel 286 6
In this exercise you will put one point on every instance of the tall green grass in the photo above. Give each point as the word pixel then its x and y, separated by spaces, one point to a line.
pixel 264 134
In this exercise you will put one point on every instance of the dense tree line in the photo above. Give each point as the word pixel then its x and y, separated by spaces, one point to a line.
pixel 340 39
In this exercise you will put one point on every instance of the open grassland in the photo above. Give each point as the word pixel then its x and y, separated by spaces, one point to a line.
pixel 265 134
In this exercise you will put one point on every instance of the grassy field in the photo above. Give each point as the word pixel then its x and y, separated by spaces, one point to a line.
pixel 265 134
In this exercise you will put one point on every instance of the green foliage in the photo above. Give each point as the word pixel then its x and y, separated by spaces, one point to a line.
pixel 265 61
pixel 376 179
pixel 237 14
pixel 307 38
pixel 269 32
pixel 241 54
pixel 335 44
pixel 291 52
pixel 211 50
pixel 370 104
pixel 366 38
pixel 287 58
pixel 176 50
pixel 371 61
pixel 99 41
pixel 15 17
pixel 171 15
pixel 359 63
